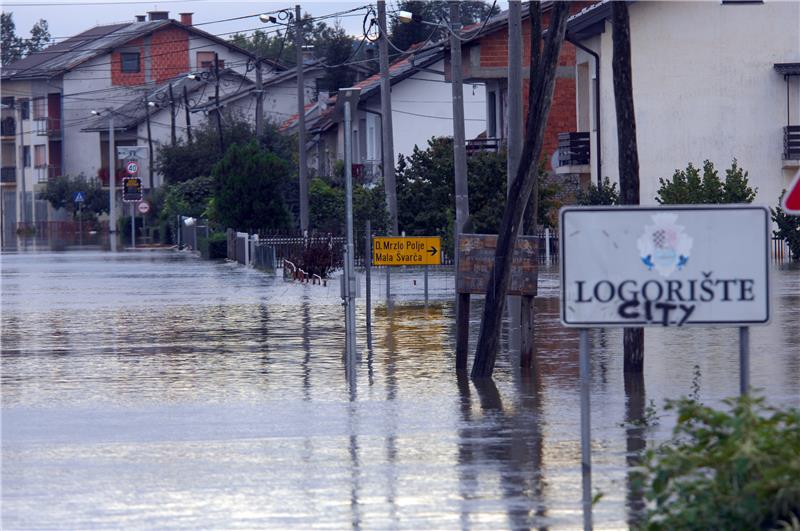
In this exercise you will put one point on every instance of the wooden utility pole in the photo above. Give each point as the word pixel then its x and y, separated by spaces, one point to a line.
pixel 540 98
pixel 188 118
pixel 173 136
pixel 216 103
pixel 259 101
pixel 22 188
pixel 301 120
pixel 460 177
pixel 387 133
pixel 149 144
pixel 632 338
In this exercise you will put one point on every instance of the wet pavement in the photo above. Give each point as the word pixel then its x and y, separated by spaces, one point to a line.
pixel 152 389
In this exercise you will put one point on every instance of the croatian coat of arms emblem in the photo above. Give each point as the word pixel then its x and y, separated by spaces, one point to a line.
pixel 664 246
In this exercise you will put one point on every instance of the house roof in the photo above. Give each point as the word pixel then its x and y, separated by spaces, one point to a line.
pixel 398 71
pixel 71 53
pixel 134 112
pixel 787 69
pixel 589 21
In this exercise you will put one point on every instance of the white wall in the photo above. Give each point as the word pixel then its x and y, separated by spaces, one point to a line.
pixel 280 99
pixel 422 107
pixel 705 88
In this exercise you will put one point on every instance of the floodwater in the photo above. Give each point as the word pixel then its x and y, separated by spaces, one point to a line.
pixel 155 390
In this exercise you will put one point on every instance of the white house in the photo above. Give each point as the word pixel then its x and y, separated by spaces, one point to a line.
pixel 712 80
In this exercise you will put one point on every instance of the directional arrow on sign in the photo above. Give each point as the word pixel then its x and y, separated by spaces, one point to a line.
pixel 432 251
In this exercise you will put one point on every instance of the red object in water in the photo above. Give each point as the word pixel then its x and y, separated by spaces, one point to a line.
pixel 791 202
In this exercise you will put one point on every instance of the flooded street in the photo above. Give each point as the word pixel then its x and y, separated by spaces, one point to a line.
pixel 152 389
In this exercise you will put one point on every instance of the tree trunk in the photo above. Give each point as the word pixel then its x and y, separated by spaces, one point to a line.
pixel 540 97
pixel 633 338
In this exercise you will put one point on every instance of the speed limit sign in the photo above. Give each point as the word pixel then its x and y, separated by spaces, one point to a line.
pixel 132 167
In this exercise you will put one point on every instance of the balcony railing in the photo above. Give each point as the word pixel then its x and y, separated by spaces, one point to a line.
pixel 573 149
pixel 476 145
pixel 8 175
pixel 46 172
pixel 48 126
pixel 8 126
pixel 791 142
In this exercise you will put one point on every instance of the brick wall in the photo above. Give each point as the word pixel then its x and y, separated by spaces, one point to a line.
pixel 169 57
pixel 170 49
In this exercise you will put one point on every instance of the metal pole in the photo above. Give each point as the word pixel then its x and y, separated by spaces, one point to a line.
pixel 586 427
pixel 425 268
pixel 80 223
pixel 112 179
pixel 350 309
pixel 188 118
pixel 514 133
pixel 173 135
pixel 150 144
pixel 24 193
pixel 368 272
pixel 744 360
pixel 133 226
pixel 259 101
pixel 217 106
pixel 301 120
pixel 547 244
pixel 387 133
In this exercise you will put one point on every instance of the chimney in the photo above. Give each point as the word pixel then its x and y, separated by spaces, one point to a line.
pixel 186 19
pixel 141 18
pixel 308 53
pixel 158 15
pixel 323 98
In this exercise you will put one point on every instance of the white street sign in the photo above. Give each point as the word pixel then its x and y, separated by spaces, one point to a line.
pixel 677 266
pixel 143 207
pixel 131 152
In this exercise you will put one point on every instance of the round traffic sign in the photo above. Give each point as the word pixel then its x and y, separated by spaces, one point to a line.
pixel 143 207
pixel 132 167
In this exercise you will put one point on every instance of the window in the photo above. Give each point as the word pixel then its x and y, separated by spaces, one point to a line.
pixel 129 61
pixel 25 155
pixel 25 109
pixel 39 110
pixel 8 100
pixel 39 156
pixel 206 60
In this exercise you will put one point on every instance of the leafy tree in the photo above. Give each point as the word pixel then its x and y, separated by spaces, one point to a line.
pixel 60 193
pixel 436 11
pixel 328 209
pixel 690 187
pixel 605 194
pixel 247 189
pixel 187 198
pixel 14 47
pixel 788 227
pixel 189 160
pixel 734 469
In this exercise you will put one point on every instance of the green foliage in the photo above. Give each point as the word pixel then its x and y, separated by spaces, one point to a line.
pixel 403 35
pixel 690 187
pixel 13 47
pixel 426 192
pixel 788 227
pixel 605 194
pixel 187 198
pixel 734 469
pixel 247 189
pixel 214 247
pixel 327 207
pixel 189 160
pixel 60 193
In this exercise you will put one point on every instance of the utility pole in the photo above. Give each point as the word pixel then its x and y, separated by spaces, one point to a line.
pixel 259 101
pixel 386 120
pixel 461 182
pixel 301 120
pixel 172 116
pixel 188 119
pixel 350 277
pixel 112 178
pixel 216 102
pixel 149 145
pixel 24 194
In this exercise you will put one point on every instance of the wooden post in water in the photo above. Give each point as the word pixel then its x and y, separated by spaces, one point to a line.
pixel 368 273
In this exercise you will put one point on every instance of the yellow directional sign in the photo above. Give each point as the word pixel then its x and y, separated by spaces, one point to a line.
pixel 401 251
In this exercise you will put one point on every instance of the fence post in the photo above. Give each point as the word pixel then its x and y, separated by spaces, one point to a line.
pixel 367 270
pixel 547 244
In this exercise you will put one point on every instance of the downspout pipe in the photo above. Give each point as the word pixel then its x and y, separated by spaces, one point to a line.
pixel 596 57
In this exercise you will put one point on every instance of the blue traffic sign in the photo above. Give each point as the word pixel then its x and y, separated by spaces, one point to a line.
pixel 78 197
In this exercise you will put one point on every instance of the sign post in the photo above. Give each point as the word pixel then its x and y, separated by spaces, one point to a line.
pixel 678 266
pixel 79 199
pixel 132 193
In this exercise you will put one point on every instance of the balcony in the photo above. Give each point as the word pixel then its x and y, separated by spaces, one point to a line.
pixel 8 128
pixel 791 146
pixel 573 153
pixel 48 126
pixel 477 145
pixel 46 172
pixel 8 175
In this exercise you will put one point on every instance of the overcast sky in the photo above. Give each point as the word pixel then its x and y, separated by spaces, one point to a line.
pixel 69 17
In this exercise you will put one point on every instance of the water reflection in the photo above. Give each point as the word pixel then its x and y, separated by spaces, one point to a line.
pixel 226 391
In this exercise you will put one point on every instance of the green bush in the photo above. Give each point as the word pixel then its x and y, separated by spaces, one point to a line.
pixel 688 187
pixel 214 247
pixel 735 469
pixel 788 227
pixel 605 194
